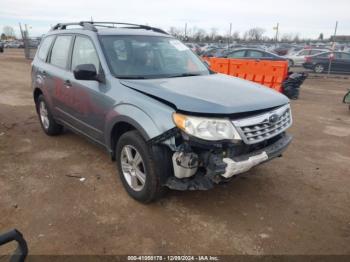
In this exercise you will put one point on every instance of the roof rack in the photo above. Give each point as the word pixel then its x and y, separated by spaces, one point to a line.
pixel 90 25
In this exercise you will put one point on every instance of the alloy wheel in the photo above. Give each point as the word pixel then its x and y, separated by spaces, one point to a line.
pixel 133 167
pixel 44 117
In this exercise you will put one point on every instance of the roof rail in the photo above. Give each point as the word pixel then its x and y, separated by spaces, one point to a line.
pixel 91 25
pixel 85 25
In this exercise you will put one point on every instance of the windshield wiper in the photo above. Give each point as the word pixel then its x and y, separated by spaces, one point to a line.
pixel 185 74
pixel 132 77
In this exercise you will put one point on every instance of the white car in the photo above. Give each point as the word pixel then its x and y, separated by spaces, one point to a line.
pixel 298 58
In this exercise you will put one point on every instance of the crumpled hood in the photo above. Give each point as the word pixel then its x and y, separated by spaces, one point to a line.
pixel 210 94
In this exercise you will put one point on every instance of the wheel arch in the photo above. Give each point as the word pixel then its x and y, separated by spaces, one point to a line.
pixel 36 93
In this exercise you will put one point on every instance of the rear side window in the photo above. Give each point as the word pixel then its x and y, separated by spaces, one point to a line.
pixel 44 47
pixel 345 56
pixel 303 53
pixel 84 53
pixel 324 55
pixel 255 54
pixel 314 52
pixel 238 54
pixel 60 51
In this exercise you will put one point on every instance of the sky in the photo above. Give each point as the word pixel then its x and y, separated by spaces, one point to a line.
pixel 308 18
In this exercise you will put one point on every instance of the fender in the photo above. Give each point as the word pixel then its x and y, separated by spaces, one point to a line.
pixel 136 117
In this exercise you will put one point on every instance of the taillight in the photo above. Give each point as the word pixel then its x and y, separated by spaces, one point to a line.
pixel 308 59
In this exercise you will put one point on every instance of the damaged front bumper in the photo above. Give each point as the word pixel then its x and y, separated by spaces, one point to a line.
pixel 220 164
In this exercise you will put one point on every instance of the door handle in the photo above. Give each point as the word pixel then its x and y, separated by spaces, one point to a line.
pixel 67 84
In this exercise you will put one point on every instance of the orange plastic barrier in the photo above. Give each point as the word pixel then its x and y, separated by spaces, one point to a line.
pixel 265 72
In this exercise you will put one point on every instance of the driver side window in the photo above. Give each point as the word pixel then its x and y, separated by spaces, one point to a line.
pixel 84 53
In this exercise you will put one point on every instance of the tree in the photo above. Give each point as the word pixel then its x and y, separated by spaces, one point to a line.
pixel 199 35
pixel 175 32
pixel 213 33
pixel 287 38
pixel 235 35
pixel 255 34
pixel 9 32
pixel 296 38
pixel 3 36
pixel 321 37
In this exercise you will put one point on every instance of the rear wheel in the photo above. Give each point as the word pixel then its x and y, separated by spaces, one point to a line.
pixel 141 168
pixel 319 68
pixel 46 119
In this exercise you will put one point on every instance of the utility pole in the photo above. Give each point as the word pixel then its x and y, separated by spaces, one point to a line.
pixel 185 31
pixel 333 46
pixel 277 28
pixel 229 36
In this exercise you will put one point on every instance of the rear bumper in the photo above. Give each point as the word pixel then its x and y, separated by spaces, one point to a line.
pixel 219 169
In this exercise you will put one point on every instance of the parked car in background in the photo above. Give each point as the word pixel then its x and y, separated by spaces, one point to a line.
pixel 320 62
pixel 194 47
pixel 215 52
pixel 250 53
pixel 298 58
pixel 13 44
pixel 281 50
pixel 1 47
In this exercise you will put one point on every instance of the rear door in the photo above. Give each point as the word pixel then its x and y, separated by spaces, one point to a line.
pixel 344 62
pixel 40 75
pixel 56 73
pixel 337 63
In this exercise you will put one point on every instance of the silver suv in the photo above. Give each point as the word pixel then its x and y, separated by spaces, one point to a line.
pixel 162 115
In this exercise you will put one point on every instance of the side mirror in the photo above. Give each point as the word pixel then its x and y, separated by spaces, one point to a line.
pixel 85 72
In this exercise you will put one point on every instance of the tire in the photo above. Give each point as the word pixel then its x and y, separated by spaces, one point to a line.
pixel 290 62
pixel 155 166
pixel 47 122
pixel 319 68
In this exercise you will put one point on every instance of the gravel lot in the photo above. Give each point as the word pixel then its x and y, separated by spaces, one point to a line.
pixel 297 204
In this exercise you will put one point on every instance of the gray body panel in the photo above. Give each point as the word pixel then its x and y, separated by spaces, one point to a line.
pixel 210 94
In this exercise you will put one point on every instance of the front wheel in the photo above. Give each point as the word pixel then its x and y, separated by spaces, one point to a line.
pixel 141 168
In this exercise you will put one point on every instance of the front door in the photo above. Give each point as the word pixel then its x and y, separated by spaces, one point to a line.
pixel 89 101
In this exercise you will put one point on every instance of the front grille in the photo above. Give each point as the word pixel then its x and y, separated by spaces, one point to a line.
pixel 265 126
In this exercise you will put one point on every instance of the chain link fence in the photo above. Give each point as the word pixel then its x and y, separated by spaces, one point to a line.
pixel 30 44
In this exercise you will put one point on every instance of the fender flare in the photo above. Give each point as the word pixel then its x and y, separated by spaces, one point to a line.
pixel 134 116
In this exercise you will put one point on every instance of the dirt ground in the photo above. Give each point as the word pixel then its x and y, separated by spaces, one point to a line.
pixel 297 204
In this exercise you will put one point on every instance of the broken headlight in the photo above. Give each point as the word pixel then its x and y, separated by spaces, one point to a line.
pixel 212 129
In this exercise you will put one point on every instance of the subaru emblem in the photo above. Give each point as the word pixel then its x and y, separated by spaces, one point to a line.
pixel 273 118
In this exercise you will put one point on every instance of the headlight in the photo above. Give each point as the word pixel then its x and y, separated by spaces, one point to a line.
pixel 212 129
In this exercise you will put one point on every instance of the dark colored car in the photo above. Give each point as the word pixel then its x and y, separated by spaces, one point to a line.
pixel 340 62
pixel 251 53
pixel 215 52
pixel 161 114
pixel 1 47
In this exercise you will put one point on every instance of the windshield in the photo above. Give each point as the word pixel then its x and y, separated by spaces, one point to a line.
pixel 140 57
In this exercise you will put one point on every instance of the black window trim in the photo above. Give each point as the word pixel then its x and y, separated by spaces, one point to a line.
pixel 69 51
pixel 72 48
pixel 49 50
